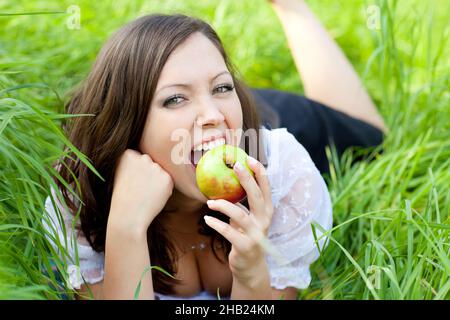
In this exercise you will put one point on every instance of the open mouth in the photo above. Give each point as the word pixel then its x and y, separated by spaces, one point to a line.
pixel 197 154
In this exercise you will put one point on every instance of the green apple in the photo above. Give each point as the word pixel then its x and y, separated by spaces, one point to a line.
pixel 215 176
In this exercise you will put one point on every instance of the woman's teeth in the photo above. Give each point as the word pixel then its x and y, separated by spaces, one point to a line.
pixel 198 152
pixel 209 145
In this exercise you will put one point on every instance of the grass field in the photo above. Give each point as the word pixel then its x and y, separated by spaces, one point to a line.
pixel 391 216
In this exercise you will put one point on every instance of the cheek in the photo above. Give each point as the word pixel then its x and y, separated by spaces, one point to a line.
pixel 155 138
pixel 235 116
pixel 162 136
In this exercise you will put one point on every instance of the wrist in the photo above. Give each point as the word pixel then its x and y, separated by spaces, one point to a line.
pixel 126 230
pixel 255 278
pixel 255 288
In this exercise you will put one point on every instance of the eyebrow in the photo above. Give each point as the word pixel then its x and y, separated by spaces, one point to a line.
pixel 188 85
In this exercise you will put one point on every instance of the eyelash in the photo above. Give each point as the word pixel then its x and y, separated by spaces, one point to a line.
pixel 227 86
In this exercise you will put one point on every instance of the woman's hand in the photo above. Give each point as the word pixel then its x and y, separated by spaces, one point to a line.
pixel 141 190
pixel 247 228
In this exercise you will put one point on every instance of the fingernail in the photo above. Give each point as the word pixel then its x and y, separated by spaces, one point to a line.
pixel 208 219
pixel 252 161
pixel 209 202
pixel 238 166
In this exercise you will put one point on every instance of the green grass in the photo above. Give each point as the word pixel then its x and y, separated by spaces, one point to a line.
pixel 391 216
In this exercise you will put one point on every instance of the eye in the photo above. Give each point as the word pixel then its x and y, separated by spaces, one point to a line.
pixel 226 87
pixel 171 99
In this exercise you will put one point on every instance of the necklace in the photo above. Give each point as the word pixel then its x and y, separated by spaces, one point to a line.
pixel 196 246
pixel 202 245
pixel 199 246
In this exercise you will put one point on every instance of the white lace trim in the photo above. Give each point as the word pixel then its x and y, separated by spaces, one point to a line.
pixel 298 277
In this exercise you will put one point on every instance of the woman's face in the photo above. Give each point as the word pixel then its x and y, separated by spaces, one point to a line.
pixel 194 100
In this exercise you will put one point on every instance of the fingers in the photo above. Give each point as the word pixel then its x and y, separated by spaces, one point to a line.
pixel 242 232
pixel 131 154
pixel 240 218
pixel 241 242
pixel 236 238
pixel 255 196
pixel 261 177
pixel 235 213
pixel 240 205
pixel 257 188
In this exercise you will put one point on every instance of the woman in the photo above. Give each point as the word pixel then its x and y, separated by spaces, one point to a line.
pixel 156 75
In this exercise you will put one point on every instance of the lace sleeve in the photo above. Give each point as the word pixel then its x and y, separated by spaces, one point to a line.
pixel 300 197
pixel 86 266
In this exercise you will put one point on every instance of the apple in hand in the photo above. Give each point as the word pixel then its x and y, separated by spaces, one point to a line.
pixel 215 176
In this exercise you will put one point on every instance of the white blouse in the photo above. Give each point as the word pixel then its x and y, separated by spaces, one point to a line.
pixel 299 196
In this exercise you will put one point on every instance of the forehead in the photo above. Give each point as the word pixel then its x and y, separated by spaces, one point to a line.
pixel 196 57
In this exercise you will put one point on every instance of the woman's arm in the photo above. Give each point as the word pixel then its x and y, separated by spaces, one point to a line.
pixel 126 249
pixel 258 288
pixel 126 258
pixel 327 75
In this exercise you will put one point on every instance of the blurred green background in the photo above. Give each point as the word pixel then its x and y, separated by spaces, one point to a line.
pixel 391 216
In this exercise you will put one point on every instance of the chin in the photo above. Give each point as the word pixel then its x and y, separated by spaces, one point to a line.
pixel 193 192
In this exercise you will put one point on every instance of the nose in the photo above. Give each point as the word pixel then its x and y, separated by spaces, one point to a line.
pixel 209 114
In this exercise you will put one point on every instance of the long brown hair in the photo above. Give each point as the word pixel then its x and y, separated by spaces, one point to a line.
pixel 118 92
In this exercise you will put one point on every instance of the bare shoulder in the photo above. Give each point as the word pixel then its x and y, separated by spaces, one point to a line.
pixel 90 291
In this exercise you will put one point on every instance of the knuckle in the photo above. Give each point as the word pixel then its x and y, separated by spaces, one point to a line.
pixel 242 216
pixel 266 223
pixel 243 223
pixel 269 210
pixel 246 176
pixel 147 158
pixel 258 194
pixel 242 174
pixel 243 208
pixel 262 170
pixel 259 167
pixel 225 230
pixel 155 166
pixel 129 153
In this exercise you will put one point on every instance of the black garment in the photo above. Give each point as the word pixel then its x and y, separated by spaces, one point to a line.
pixel 314 125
